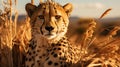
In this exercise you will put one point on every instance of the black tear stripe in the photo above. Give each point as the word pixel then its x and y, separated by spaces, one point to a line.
pixel 41 27
pixel 57 27
pixel 56 21
pixel 43 22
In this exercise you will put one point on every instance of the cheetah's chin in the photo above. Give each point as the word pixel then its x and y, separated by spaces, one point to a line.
pixel 50 36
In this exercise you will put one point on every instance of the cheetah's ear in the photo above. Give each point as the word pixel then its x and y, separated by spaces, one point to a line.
pixel 30 8
pixel 68 8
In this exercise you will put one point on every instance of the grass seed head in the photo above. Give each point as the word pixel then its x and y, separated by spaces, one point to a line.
pixel 105 13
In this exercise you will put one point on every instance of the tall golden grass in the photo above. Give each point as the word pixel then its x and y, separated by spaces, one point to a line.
pixel 7 34
pixel 14 40
pixel 96 50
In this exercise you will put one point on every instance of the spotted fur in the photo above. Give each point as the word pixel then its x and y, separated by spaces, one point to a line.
pixel 49 47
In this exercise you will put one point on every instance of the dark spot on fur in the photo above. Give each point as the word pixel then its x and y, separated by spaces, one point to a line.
pixel 38 61
pixel 30 59
pixel 29 53
pixel 65 65
pixel 61 40
pixel 55 8
pixel 43 54
pixel 50 62
pixel 60 53
pixel 47 58
pixel 39 46
pixel 56 64
pixel 64 39
pixel 38 50
pixel 34 52
pixel 59 48
pixel 62 58
pixel 71 58
pixel 59 44
pixel 61 66
pixel 26 59
pixel 53 44
pixel 27 66
pixel 32 65
pixel 40 57
pixel 65 58
pixel 55 55
pixel 48 50
pixel 30 45
pixel 52 53
pixel 54 48
pixel 33 46
pixel 39 64
pixel 63 45
pixel 61 62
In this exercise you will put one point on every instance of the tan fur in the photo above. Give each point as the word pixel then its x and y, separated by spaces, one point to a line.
pixel 49 47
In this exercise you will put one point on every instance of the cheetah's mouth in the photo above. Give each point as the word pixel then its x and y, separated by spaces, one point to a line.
pixel 50 35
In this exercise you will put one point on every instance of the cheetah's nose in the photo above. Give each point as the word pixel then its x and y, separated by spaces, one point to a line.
pixel 49 28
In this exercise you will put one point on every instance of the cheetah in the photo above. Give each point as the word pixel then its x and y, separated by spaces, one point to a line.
pixel 49 46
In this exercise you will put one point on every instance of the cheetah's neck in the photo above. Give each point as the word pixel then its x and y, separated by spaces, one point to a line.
pixel 41 41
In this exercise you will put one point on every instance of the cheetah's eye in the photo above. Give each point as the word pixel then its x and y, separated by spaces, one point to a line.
pixel 41 16
pixel 57 17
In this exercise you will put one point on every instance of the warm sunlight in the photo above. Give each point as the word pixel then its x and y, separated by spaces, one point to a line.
pixel 59 33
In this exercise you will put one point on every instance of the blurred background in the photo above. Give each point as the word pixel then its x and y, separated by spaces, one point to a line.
pixel 86 29
pixel 82 10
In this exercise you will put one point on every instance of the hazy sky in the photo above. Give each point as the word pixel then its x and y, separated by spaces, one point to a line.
pixel 83 8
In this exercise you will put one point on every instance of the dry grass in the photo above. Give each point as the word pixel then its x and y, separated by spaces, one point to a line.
pixel 95 50
pixel 13 38
pixel 105 13
pixel 7 33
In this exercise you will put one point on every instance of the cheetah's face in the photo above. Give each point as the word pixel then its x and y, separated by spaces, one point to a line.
pixel 52 16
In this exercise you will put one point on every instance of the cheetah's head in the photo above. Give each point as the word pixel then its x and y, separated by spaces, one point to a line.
pixel 49 19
